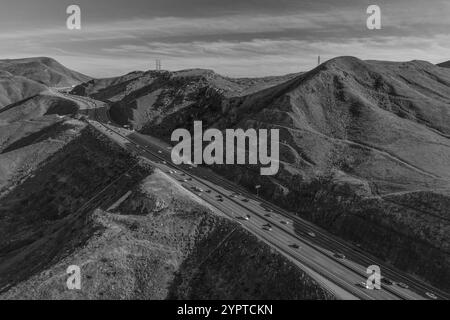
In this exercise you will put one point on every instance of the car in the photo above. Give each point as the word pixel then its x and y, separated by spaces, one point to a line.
pixel 189 179
pixel 387 281
pixel 267 215
pixel 197 189
pixel 159 151
pixel 431 295
pixel 295 246
pixel 208 191
pixel 284 222
pixel 402 285
pixel 267 228
pixel 244 218
pixel 267 209
pixel 339 255
pixel 245 200
pixel 312 234
pixel 220 200
pixel 364 285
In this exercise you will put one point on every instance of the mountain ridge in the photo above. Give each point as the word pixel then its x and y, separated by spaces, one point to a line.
pixel 43 70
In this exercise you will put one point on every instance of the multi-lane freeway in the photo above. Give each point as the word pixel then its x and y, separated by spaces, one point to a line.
pixel 338 266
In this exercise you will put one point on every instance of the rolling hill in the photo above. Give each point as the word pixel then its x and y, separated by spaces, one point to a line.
pixel 15 88
pixel 366 119
pixel 22 79
pixel 43 70
pixel 364 149
pixel 444 64
pixel 62 187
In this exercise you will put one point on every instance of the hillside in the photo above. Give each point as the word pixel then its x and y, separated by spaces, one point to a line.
pixel 444 64
pixel 358 138
pixel 142 97
pixel 43 70
pixel 133 231
pixel 69 195
pixel 15 88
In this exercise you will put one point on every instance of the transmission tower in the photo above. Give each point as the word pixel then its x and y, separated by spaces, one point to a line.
pixel 158 65
pixel 318 60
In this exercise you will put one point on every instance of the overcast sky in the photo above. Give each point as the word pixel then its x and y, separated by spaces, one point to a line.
pixel 235 38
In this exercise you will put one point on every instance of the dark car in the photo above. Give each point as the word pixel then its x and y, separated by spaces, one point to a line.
pixel 339 255
pixel 402 285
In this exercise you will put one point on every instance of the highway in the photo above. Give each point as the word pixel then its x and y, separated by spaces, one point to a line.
pixel 306 245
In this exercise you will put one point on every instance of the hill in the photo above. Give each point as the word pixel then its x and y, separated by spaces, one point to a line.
pixel 69 194
pixel 364 148
pixel 142 97
pixel 43 70
pixel 444 64
pixel 15 88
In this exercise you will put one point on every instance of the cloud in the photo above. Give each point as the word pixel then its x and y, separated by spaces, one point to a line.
pixel 245 44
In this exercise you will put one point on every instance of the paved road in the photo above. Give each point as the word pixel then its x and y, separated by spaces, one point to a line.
pixel 308 246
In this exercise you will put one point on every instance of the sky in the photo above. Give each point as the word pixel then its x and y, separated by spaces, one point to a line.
pixel 244 38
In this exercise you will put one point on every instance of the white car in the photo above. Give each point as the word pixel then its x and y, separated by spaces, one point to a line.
pixel 431 295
